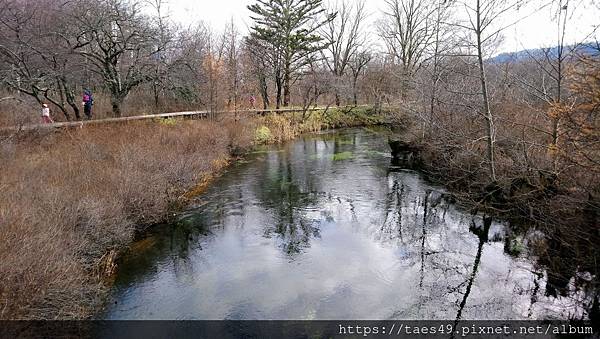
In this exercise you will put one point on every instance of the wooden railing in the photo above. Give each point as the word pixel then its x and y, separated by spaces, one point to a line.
pixel 190 114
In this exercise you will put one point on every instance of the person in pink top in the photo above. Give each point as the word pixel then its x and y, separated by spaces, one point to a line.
pixel 46 119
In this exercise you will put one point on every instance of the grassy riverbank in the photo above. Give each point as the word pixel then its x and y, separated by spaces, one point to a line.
pixel 283 127
pixel 72 200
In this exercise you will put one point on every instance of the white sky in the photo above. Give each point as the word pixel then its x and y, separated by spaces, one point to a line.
pixel 536 30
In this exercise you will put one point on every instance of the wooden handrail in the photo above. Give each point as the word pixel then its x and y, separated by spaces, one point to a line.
pixel 199 114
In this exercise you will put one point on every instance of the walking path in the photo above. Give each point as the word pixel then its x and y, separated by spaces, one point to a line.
pixel 190 114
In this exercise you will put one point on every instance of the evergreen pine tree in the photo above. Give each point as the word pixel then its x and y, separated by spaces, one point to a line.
pixel 289 27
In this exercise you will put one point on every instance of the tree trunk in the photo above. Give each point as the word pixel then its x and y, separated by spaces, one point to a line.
pixel 435 75
pixel 286 88
pixel 433 98
pixel 65 112
pixel 354 93
pixel 75 108
pixel 70 96
pixel 264 91
pixel 279 87
pixel 486 103
pixel 558 102
pixel 156 94
pixel 117 102
pixel 116 109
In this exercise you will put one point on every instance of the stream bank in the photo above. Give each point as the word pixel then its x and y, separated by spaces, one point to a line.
pixel 102 187
pixel 268 130
pixel 544 220
pixel 283 235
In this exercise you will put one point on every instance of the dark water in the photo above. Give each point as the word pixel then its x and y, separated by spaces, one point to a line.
pixel 325 228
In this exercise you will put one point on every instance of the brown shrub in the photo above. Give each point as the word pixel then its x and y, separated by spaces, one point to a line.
pixel 68 198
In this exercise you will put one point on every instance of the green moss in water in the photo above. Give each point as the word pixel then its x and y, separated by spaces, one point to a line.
pixel 375 154
pixel 344 142
pixel 516 246
pixel 342 156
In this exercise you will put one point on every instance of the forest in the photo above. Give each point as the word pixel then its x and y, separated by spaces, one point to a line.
pixel 514 135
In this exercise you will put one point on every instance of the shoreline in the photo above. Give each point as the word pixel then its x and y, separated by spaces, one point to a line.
pixel 105 187
pixel 208 179
pixel 541 212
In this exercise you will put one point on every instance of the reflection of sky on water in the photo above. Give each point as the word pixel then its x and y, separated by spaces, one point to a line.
pixel 297 235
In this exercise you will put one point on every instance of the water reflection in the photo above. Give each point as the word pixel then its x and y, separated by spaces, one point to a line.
pixel 322 229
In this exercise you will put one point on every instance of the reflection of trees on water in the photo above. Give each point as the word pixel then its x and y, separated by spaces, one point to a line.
pixel 409 217
pixel 482 234
pixel 423 237
pixel 393 207
pixel 573 272
pixel 280 193
pixel 169 243
pixel 534 292
pixel 416 220
pixel 569 258
pixel 290 190
pixel 187 234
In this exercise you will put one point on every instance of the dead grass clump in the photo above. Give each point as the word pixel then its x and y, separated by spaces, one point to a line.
pixel 16 112
pixel 69 198
pixel 287 126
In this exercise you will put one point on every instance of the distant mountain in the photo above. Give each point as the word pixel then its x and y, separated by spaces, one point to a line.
pixel 587 49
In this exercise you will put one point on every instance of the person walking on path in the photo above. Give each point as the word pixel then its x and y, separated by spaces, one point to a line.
pixel 46 119
pixel 88 102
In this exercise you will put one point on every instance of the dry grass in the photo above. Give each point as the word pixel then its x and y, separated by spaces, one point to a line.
pixel 70 200
pixel 17 113
pixel 283 127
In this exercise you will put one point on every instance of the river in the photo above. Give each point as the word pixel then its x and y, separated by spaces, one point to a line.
pixel 325 228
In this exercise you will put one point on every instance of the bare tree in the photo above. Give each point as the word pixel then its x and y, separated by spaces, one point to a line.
pixel 266 62
pixel 232 61
pixel 408 31
pixel 116 39
pixel 378 81
pixel 483 29
pixel 441 43
pixel 164 38
pixel 552 63
pixel 357 65
pixel 33 60
pixel 213 66
pixel 345 37
pixel 315 83
pixel 187 75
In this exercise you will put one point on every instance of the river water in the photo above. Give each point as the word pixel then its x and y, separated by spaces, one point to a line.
pixel 325 228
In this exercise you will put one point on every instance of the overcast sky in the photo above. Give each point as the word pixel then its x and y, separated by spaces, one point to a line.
pixel 536 30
